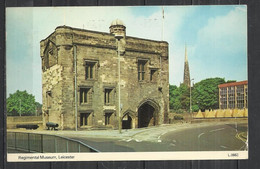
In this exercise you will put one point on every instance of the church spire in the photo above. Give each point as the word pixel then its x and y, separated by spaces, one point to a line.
pixel 186 76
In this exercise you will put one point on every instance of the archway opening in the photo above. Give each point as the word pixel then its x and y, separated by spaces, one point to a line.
pixel 127 122
pixel 146 116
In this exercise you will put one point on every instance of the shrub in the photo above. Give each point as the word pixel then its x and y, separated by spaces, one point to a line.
pixel 178 117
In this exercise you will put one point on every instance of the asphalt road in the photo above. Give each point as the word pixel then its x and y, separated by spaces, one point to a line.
pixel 220 137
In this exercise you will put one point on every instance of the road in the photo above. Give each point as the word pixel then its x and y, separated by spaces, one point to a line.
pixel 219 137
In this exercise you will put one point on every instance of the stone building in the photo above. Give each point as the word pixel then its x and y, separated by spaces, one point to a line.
pixel 233 95
pixel 80 75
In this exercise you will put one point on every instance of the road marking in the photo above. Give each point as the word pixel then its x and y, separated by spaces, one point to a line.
pixel 239 136
pixel 129 140
pixel 163 133
pixel 138 140
pixel 159 137
pixel 200 135
pixel 223 147
pixel 217 130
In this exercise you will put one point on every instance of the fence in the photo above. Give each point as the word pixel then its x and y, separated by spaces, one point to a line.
pixel 223 113
pixel 43 143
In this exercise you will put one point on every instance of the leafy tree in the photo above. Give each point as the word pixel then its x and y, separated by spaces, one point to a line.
pixel 38 108
pixel 173 94
pixel 179 97
pixel 205 94
pixel 231 81
pixel 21 102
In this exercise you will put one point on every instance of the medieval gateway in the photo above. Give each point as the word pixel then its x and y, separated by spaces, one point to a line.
pixel 81 73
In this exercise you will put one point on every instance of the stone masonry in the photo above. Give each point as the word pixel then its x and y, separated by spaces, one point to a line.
pixel 80 79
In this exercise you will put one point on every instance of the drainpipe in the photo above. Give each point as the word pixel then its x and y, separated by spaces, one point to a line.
pixel 75 86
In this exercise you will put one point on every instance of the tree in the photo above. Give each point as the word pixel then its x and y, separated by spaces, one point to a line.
pixel 179 97
pixel 205 94
pixel 21 103
pixel 173 94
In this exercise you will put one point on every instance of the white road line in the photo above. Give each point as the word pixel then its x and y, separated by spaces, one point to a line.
pixel 163 133
pixel 217 130
pixel 200 135
pixel 223 147
pixel 138 140
pixel 128 140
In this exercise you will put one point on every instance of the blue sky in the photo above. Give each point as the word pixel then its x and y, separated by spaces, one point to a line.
pixel 216 38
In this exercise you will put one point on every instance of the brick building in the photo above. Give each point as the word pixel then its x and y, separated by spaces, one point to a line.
pixel 233 95
pixel 80 75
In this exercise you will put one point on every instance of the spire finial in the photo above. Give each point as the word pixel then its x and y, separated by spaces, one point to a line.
pixel 186 56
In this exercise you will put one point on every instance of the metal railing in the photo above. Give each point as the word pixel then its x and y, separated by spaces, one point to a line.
pixel 43 143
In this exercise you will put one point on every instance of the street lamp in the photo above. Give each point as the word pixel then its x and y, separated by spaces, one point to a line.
pixel 119 36
pixel 20 107
pixel 190 98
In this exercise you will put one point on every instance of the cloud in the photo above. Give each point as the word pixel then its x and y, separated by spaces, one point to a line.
pixel 221 47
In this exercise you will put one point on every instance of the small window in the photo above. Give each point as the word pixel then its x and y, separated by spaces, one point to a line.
pixel 90 68
pixel 108 118
pixel 108 96
pixel 153 75
pixel 48 99
pixel 84 95
pixel 141 69
pixel 84 119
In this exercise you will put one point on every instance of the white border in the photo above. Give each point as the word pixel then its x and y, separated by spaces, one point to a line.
pixel 128 156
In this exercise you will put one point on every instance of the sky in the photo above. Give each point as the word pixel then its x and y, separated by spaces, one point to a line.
pixel 215 36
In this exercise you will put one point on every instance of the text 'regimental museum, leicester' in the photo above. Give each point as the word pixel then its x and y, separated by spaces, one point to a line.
pixel 96 79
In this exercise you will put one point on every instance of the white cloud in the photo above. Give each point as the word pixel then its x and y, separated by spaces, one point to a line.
pixel 222 44
pixel 225 32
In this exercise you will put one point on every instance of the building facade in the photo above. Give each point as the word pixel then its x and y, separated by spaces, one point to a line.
pixel 81 71
pixel 233 95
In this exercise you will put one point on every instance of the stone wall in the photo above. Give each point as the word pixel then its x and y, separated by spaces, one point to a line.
pixel 12 121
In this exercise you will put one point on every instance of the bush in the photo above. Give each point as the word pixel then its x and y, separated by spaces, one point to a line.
pixel 195 108
pixel 178 117
pixel 180 111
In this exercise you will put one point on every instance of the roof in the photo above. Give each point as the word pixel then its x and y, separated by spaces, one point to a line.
pixel 233 84
pixel 117 22
pixel 104 33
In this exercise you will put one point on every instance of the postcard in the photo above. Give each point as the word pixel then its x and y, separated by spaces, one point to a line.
pixel 126 83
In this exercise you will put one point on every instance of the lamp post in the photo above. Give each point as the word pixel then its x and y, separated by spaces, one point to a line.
pixel 190 98
pixel 20 107
pixel 119 36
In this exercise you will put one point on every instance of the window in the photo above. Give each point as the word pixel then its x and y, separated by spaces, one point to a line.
pixel 84 95
pixel 240 97
pixel 231 97
pixel 108 96
pixel 108 118
pixel 141 69
pixel 85 119
pixel 246 102
pixel 90 69
pixel 48 99
pixel 153 75
pixel 223 98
